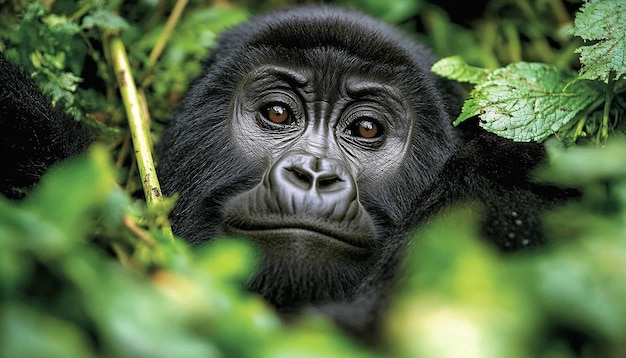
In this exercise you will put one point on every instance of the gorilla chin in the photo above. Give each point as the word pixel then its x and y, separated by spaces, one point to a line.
pixel 319 268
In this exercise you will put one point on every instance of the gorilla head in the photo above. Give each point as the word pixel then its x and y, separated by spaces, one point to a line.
pixel 311 131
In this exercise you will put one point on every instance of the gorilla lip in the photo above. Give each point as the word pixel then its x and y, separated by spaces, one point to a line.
pixel 249 228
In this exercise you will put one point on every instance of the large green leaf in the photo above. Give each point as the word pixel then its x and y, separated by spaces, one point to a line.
pixel 602 24
pixel 528 101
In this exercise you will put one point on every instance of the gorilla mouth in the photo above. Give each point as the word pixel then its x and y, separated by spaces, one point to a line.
pixel 300 229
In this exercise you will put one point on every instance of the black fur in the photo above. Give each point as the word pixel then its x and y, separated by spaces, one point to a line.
pixel 33 134
pixel 200 160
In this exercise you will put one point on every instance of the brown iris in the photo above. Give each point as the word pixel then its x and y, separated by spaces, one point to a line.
pixel 278 114
pixel 367 129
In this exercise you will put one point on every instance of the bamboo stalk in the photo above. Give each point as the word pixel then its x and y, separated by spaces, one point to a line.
pixel 138 125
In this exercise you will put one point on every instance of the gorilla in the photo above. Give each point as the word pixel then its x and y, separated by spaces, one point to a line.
pixel 322 136
pixel 310 131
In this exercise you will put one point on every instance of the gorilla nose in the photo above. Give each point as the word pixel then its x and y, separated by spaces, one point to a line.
pixel 308 179
pixel 306 174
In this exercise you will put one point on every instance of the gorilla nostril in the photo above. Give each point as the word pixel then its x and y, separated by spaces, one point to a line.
pixel 328 182
pixel 307 176
pixel 305 179
pixel 300 177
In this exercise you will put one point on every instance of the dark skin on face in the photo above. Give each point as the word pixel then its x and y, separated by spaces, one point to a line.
pixel 324 136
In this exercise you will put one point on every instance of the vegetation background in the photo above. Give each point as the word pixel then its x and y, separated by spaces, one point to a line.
pixel 90 269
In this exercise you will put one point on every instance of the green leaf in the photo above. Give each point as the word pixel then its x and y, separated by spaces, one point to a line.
pixel 28 332
pixel 389 11
pixel 61 25
pixel 232 261
pixel 456 69
pixel 104 19
pixel 585 165
pixel 528 101
pixel 65 204
pixel 580 282
pixel 459 290
pixel 602 25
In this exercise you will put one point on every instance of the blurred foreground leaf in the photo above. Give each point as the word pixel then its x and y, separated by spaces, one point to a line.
pixel 64 294
pixel 461 298
pixel 457 301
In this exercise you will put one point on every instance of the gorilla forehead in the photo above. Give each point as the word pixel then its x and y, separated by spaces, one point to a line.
pixel 318 26
pixel 301 32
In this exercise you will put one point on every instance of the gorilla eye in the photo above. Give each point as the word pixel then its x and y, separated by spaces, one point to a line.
pixel 365 128
pixel 277 114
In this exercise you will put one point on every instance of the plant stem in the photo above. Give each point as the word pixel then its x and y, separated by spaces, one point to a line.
pixel 167 32
pixel 513 43
pixel 608 96
pixel 138 127
pixel 580 125
pixel 560 12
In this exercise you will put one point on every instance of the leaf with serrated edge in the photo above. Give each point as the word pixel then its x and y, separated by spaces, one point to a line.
pixel 530 101
pixel 602 25
pixel 456 69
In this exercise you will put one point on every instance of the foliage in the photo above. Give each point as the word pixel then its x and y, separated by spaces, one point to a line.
pixel 602 24
pixel 62 47
pixel 64 296
pixel 64 293
pixel 533 305
pixel 390 11
pixel 87 270
pixel 531 101
pixel 491 34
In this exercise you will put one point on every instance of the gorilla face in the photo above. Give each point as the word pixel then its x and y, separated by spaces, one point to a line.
pixel 321 136
pixel 311 132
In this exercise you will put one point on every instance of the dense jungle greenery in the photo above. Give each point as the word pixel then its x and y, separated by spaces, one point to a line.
pixel 91 270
